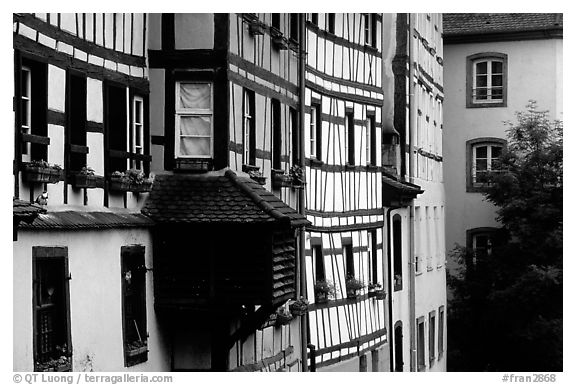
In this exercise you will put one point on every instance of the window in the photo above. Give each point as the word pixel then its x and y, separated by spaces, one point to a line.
pixel 295 133
pixel 397 250
pixel 294 26
pixel 137 130
pixel 248 128
pixel 76 125
pixel 421 343
pixel 349 133
pixel 486 80
pixel 370 29
pixel 398 347
pixel 32 94
pixel 51 313
pixel 419 238
pixel 276 135
pixel 440 331
pixel 431 337
pixel 371 141
pixel 331 22
pixel 483 157
pixel 480 241
pixel 316 131
pixel 116 119
pixel 348 257
pixel 133 277
pixel 314 18
pixel 276 20
pixel 194 120
pixel 318 262
pixel 373 256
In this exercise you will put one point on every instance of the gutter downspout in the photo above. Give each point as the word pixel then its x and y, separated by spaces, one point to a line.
pixel 411 265
pixel 390 290
pixel 301 262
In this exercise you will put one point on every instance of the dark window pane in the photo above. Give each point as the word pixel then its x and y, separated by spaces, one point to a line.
pixel 481 81
pixel 481 93
pixel 496 80
pixel 481 152
pixel 481 164
pixel 497 93
pixel 482 68
pixel 496 67
pixel 496 152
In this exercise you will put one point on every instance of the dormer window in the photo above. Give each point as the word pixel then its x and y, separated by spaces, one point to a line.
pixel 194 120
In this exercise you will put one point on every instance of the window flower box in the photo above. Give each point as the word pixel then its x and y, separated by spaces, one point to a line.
pixel 280 179
pixel 86 178
pixel 62 364
pixel 131 180
pixel 283 317
pixel 297 176
pixel 299 307
pixel 40 171
pixel 254 173
pixel 278 39
pixel 133 351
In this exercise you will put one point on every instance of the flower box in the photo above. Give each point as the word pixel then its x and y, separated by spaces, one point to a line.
pixel 259 178
pixel 131 180
pixel 278 39
pixel 283 318
pixel 118 183
pixel 256 27
pixel 133 352
pixel 279 179
pixel 145 186
pixel 380 294
pixel 41 173
pixel 299 308
pixel 87 181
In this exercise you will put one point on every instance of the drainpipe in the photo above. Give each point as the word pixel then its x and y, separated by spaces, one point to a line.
pixel 411 265
pixel 301 263
pixel 390 289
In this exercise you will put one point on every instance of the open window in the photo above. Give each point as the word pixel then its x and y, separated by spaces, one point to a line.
pixel 133 277
pixel 248 128
pixel 51 298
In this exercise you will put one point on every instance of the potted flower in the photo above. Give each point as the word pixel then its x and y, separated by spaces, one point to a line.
pixel 61 364
pixel 323 290
pixel 257 176
pixel 283 316
pixel 86 178
pixel 299 307
pixel 255 26
pixel 40 171
pixel 297 176
pixel 353 286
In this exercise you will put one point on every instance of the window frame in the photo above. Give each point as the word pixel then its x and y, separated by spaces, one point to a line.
pixel 488 57
pixel 471 236
pixel 26 129
pixel 440 344
pixel 331 23
pixel 46 254
pixel 397 251
pixel 137 253
pixel 350 137
pixel 315 130
pixel 372 240
pixel 432 337
pixel 471 145
pixel 192 112
pixel 370 35
pixel 421 344
pixel 76 137
pixel 371 150
pixel 248 127
pixel 134 132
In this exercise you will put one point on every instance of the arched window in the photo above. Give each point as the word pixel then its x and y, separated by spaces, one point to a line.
pixel 486 80
pixel 483 156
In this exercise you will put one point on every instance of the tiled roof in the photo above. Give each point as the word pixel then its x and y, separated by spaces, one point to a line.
pixel 216 197
pixel 81 220
pixel 25 211
pixel 486 23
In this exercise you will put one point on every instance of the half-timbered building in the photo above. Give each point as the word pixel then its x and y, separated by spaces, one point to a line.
pixel 82 261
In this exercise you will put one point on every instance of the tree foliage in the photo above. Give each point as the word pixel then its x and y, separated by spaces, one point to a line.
pixel 506 310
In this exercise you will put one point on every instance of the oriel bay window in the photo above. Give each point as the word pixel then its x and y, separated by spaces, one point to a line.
pixel 134 305
pixel 194 120
pixel 52 347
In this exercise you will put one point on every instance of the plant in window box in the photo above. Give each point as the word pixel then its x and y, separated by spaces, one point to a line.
pixel 40 171
pixel 138 181
pixel 297 176
pixel 376 290
pixel 299 307
pixel 61 364
pixel 257 176
pixel 255 26
pixel 119 181
pixel 353 286
pixel 293 44
pixel 86 178
pixel 281 179
pixel 278 38
pixel 323 291
pixel 283 316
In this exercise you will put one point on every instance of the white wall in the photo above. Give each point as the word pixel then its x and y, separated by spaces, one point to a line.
pixel 95 299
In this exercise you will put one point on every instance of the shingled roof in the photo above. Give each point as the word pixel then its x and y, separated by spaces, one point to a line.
pixel 25 211
pixel 216 197
pixel 457 24
pixel 85 220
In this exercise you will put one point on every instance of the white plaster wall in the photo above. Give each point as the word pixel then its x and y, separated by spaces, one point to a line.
pixel 194 30
pixel 95 299
pixel 534 72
